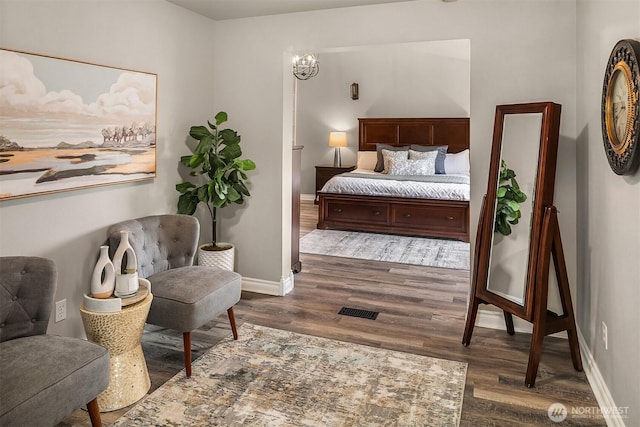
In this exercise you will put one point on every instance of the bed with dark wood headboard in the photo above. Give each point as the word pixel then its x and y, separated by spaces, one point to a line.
pixel 425 217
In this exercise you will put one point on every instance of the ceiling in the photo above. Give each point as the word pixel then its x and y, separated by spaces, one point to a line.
pixel 231 9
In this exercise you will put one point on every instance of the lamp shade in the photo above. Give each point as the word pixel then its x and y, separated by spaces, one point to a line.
pixel 337 139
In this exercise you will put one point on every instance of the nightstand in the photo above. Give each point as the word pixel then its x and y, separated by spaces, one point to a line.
pixel 324 174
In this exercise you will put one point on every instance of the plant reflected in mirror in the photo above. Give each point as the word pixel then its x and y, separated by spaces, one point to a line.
pixel 508 200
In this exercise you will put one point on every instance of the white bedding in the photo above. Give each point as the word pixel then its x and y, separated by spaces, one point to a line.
pixel 356 183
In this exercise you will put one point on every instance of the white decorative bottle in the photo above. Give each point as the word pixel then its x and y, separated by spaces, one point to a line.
pixel 126 276
pixel 102 284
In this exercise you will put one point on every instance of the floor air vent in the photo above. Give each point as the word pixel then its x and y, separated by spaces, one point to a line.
pixel 355 312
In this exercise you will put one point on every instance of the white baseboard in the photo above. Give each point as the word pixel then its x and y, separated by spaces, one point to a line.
pixel 308 197
pixel 286 284
pixel 268 287
pixel 613 418
pixel 260 286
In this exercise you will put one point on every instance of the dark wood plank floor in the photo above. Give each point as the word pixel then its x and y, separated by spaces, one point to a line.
pixel 422 311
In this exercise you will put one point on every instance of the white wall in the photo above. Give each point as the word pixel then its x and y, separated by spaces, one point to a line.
pixel 609 214
pixel 157 37
pixel 520 52
pixel 421 79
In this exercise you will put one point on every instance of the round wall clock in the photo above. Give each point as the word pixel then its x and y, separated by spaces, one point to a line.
pixel 620 110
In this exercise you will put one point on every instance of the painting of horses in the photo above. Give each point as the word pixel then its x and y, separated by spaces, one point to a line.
pixel 67 124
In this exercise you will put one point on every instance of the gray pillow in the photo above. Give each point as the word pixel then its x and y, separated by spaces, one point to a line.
pixel 442 154
pixel 379 147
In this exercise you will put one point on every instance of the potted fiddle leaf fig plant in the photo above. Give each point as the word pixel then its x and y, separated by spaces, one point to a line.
pixel 509 198
pixel 221 180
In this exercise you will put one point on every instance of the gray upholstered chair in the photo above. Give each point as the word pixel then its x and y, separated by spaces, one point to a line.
pixel 185 296
pixel 43 378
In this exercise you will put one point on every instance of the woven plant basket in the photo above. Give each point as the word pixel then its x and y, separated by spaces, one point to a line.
pixel 223 259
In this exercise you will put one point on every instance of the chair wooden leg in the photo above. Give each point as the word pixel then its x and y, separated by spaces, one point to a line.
pixel 232 320
pixel 94 413
pixel 186 339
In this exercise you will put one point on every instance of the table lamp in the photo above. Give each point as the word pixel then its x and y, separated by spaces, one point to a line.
pixel 337 140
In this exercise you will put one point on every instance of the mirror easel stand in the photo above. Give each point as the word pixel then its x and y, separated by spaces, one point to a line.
pixel 544 322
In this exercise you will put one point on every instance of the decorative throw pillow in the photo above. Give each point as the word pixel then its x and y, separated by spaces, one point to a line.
pixel 457 163
pixel 387 155
pixel 379 147
pixel 367 160
pixel 442 153
pixel 425 166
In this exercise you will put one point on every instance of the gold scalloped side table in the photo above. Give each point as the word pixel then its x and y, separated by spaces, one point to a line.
pixel 120 332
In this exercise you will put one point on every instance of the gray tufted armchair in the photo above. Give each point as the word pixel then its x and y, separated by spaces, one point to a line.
pixel 43 378
pixel 185 296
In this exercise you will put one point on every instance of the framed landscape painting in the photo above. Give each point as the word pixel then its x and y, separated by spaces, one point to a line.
pixel 66 124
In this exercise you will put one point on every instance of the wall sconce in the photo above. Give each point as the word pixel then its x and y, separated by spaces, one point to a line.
pixel 354 91
pixel 337 140
pixel 305 66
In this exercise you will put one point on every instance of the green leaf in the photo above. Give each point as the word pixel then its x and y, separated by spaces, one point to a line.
pixel 231 152
pixel 247 165
pixel 233 195
pixel 199 132
pixel 514 216
pixel 241 188
pixel 205 145
pixel 196 160
pixel 508 173
pixel 221 195
pixel 220 203
pixel 513 205
pixel 520 198
pixel 229 136
pixel 184 186
pixel 501 191
pixel 221 117
pixel 505 229
pixel 511 218
pixel 217 164
pixel 203 194
pixel 233 177
pixel 187 204
pixel 514 183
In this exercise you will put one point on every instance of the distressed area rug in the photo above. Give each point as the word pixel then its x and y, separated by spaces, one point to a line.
pixel 273 378
pixel 385 247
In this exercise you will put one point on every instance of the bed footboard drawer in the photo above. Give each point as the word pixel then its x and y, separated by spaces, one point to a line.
pixel 444 218
pixel 345 212
pixel 447 219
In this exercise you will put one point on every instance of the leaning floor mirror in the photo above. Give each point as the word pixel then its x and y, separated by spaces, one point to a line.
pixel 518 232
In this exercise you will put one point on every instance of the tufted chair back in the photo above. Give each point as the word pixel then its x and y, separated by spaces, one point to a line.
pixel 27 288
pixel 161 242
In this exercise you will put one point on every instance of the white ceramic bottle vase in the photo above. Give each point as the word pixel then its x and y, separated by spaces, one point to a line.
pixel 102 284
pixel 127 277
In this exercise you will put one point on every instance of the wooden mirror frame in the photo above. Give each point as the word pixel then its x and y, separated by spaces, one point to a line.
pixel 543 190
pixel 544 243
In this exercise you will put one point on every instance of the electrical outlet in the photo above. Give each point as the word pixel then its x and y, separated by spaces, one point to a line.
pixel 605 336
pixel 61 310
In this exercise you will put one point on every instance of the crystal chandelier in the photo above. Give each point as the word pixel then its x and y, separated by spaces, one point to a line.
pixel 306 66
